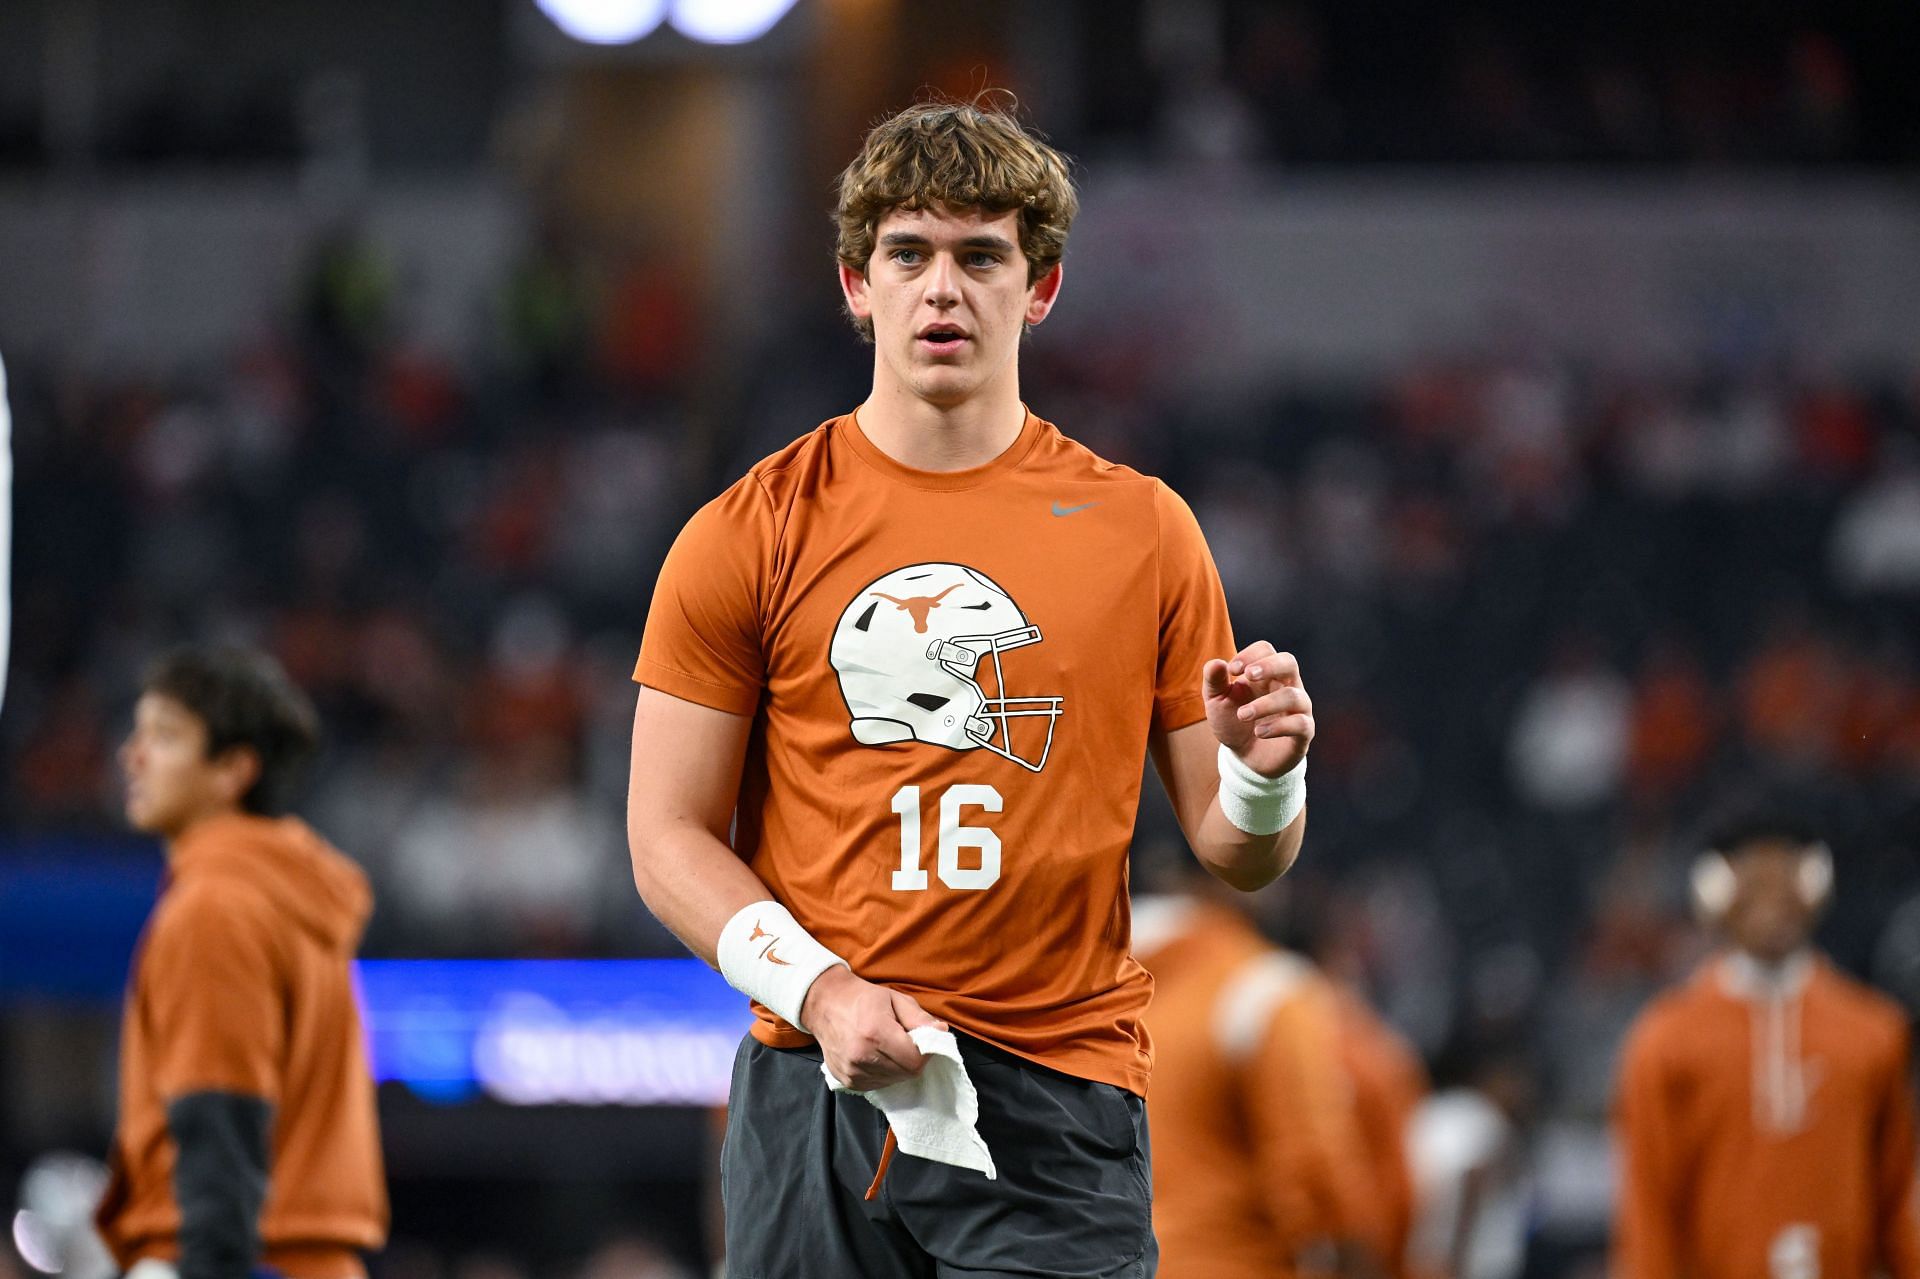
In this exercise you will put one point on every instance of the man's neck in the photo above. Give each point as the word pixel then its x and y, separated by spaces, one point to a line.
pixel 173 839
pixel 1754 976
pixel 933 437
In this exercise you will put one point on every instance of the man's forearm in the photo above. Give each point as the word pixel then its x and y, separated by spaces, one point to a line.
pixel 720 909
pixel 1241 860
pixel 691 881
pixel 1192 767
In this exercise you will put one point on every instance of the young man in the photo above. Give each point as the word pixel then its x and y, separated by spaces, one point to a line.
pixel 1765 1112
pixel 911 664
pixel 247 1134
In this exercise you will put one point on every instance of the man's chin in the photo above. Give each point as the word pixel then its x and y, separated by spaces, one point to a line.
pixel 1776 948
pixel 143 819
pixel 945 387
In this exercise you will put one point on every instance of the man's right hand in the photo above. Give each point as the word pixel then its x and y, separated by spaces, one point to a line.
pixel 862 1029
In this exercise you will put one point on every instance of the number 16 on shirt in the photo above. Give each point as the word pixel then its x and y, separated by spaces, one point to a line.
pixel 911 877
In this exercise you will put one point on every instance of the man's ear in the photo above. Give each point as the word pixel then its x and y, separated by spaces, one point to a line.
pixel 1044 293
pixel 236 770
pixel 853 285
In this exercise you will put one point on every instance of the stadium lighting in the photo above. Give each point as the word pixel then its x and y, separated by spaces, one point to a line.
pixel 727 21
pixel 605 21
pixel 608 22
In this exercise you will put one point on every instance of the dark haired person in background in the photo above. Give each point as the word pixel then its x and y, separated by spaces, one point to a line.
pixel 1765 1108
pixel 247 1133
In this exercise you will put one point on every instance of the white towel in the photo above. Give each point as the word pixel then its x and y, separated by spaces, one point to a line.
pixel 933 1114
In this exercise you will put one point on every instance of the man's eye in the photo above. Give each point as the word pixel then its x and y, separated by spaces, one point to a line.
pixel 906 257
pixel 982 259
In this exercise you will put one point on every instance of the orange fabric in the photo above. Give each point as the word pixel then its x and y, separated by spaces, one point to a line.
pixel 1672 729
pixel 1767 1138
pixel 242 984
pixel 886 1159
pixel 1389 1084
pixel 772 582
pixel 1790 697
pixel 1257 1153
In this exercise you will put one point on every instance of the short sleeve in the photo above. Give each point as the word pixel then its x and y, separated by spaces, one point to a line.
pixel 213 991
pixel 703 641
pixel 1194 626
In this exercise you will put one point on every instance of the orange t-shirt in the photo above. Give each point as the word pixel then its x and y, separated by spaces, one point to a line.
pixel 952 678
pixel 1767 1136
pixel 1259 1163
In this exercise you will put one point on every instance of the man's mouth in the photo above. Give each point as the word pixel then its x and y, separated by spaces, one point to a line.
pixel 942 339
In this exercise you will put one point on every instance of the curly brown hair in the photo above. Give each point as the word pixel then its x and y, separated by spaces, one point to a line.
pixel 961 155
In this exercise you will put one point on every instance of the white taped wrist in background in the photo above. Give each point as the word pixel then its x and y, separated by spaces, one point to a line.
pixel 767 956
pixel 1257 804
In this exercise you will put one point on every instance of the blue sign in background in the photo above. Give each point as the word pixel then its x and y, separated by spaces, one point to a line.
pixel 540 1032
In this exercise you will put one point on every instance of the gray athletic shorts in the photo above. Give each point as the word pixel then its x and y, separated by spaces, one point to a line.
pixel 1072 1199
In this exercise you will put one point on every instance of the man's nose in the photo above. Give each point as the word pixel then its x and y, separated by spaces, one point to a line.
pixel 943 281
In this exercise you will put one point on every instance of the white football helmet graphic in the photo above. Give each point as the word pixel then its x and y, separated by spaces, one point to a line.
pixel 908 652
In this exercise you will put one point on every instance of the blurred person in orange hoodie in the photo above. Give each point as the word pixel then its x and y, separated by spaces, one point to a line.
pixel 247 1139
pixel 1389 1084
pixel 1765 1108
pixel 1261 1167
pixel 1388 1078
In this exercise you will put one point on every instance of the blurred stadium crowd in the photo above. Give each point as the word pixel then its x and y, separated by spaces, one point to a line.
pixel 1554 610
pixel 1382 82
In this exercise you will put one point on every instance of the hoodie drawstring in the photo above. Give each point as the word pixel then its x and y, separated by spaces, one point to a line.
pixel 1779 1072
pixel 886 1157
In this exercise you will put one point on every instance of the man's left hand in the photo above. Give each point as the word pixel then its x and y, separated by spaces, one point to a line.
pixel 1258 708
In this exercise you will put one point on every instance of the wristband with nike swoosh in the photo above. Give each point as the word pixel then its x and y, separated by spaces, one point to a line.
pixel 766 955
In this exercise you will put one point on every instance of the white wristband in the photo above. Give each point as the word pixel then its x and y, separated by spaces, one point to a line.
pixel 1257 804
pixel 767 956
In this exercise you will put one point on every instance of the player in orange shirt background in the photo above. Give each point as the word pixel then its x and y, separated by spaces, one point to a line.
pixel 1765 1109
pixel 1263 1167
pixel 1385 1071
pixel 897 685
pixel 1389 1082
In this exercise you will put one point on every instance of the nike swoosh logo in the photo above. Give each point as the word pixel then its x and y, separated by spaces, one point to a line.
pixel 1071 510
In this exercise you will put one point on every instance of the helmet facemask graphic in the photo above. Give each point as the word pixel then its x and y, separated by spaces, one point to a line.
pixel 912 650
